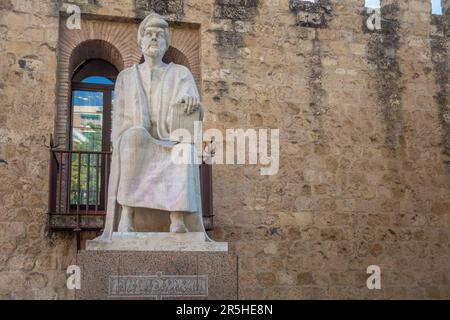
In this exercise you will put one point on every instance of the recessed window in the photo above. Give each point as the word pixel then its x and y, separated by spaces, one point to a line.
pixel 436 7
pixel 373 4
pixel 92 100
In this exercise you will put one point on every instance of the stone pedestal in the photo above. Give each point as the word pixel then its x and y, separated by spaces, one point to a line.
pixel 158 266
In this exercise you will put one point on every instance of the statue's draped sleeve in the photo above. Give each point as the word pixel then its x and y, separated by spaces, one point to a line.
pixel 119 125
pixel 182 84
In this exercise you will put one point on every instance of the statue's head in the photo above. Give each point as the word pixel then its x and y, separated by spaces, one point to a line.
pixel 153 35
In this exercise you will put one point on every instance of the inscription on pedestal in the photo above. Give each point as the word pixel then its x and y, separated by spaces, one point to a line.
pixel 149 275
pixel 158 286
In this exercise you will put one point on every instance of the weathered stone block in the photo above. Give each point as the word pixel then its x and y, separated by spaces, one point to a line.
pixel 163 7
pixel 309 14
pixel 157 275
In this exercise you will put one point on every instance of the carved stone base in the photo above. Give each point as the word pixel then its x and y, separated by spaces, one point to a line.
pixel 157 275
pixel 157 241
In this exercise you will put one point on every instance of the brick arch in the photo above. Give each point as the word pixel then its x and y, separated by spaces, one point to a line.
pixel 95 49
pixel 176 56
pixel 112 42
pixel 185 44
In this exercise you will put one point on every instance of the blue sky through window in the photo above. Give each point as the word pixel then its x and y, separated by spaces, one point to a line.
pixel 87 98
pixel 435 4
pixel 436 7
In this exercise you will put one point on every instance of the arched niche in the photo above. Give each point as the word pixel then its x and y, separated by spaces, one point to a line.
pixel 95 49
pixel 115 42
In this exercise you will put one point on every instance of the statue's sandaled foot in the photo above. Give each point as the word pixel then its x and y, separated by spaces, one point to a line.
pixel 178 227
pixel 126 223
pixel 125 229
pixel 125 226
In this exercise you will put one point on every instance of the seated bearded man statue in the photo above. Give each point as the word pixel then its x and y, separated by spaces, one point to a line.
pixel 143 174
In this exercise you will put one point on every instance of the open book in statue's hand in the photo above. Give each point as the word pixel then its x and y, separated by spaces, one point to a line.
pixel 182 118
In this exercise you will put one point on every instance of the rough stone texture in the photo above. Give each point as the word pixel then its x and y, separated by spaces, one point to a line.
pixel 311 14
pixel 382 52
pixel 439 57
pixel 233 19
pixel 221 270
pixel 169 8
pixel 359 183
pixel 446 20
pixel 32 261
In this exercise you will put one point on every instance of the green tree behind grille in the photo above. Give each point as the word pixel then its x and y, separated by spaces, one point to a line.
pixel 93 142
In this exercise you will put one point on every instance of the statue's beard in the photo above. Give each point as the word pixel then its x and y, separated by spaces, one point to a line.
pixel 154 51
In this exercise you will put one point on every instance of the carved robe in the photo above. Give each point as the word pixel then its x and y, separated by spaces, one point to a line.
pixel 143 174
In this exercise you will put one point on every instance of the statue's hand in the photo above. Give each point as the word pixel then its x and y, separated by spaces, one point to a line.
pixel 191 104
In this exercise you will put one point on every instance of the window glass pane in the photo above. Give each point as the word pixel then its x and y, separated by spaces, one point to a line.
pixel 87 135
pixel 87 120
pixel 88 171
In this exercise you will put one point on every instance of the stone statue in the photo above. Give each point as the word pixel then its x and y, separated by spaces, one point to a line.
pixel 142 172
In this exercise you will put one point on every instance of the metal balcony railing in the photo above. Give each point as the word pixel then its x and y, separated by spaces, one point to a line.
pixel 78 190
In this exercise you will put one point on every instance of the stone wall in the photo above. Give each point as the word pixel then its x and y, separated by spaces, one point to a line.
pixel 32 262
pixel 364 162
